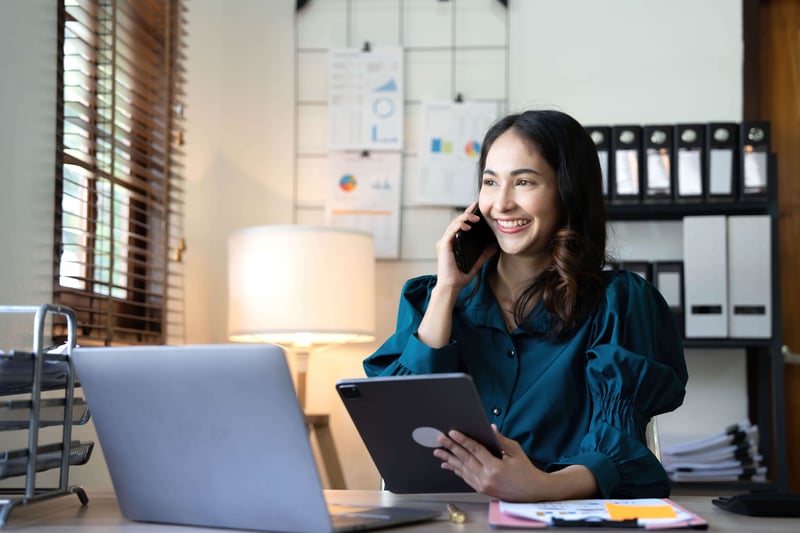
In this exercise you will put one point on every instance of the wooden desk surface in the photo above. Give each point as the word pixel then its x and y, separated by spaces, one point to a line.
pixel 65 514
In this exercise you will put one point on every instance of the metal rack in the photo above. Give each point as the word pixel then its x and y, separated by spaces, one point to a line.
pixel 34 412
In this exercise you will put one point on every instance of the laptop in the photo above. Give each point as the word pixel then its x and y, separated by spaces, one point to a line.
pixel 212 436
pixel 400 417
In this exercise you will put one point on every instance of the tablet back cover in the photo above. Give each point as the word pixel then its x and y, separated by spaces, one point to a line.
pixel 399 417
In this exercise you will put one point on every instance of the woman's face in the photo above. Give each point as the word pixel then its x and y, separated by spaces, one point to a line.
pixel 519 196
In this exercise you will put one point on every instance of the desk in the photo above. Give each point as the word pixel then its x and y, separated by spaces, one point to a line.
pixel 101 515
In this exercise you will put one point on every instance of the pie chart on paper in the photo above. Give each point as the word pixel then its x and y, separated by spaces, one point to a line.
pixel 472 148
pixel 347 182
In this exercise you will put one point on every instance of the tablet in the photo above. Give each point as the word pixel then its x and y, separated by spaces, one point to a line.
pixel 399 418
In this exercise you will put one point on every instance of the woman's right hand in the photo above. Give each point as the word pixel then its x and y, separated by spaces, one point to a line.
pixel 435 328
pixel 447 271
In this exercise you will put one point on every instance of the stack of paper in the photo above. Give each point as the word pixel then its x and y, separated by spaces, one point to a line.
pixel 731 455
pixel 649 513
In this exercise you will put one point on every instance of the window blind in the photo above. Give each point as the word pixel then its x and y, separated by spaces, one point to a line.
pixel 120 185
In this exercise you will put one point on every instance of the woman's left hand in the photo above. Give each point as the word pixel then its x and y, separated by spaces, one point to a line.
pixel 512 477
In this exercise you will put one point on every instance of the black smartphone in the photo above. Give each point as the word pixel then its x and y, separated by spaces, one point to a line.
pixel 469 245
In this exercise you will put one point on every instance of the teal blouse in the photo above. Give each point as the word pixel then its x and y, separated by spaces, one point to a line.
pixel 584 400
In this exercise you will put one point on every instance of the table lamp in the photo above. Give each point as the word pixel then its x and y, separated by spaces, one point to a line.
pixel 303 287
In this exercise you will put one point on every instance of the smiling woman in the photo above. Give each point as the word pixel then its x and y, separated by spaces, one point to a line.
pixel 571 362
pixel 119 193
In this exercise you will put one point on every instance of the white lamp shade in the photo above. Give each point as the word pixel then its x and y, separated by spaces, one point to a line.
pixel 301 285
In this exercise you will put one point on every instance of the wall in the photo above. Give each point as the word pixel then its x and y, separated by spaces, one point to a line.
pixel 238 141
pixel 27 149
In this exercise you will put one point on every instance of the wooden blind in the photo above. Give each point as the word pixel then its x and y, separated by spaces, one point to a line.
pixel 120 185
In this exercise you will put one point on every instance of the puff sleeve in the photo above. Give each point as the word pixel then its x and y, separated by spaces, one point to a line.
pixel 635 369
pixel 403 352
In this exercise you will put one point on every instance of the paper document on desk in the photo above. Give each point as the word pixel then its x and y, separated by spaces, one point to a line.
pixel 647 513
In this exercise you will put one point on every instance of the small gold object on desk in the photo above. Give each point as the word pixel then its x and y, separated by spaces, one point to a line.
pixel 457 516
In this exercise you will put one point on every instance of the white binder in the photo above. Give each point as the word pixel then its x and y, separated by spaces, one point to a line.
pixel 705 256
pixel 750 276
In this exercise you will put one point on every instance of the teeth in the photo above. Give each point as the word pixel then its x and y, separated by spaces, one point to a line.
pixel 511 223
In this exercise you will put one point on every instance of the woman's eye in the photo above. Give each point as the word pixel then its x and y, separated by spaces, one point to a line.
pixel 488 181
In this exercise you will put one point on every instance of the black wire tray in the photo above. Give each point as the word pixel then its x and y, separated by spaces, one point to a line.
pixel 48 456
pixel 15 414
pixel 16 371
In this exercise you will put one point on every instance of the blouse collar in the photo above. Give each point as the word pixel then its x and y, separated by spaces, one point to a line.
pixel 483 310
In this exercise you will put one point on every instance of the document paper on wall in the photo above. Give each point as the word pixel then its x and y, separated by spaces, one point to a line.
pixel 363 192
pixel 450 145
pixel 365 99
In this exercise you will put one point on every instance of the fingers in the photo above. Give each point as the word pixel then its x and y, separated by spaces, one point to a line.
pixel 465 449
pixel 461 221
pixel 508 447
pixel 458 460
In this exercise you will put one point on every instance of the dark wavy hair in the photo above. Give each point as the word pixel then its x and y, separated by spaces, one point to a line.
pixel 573 284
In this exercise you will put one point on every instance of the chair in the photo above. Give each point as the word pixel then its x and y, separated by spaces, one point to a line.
pixel 651 437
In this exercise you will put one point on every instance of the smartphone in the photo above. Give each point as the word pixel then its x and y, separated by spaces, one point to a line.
pixel 469 245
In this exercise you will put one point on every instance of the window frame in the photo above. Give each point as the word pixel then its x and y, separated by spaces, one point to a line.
pixel 119 169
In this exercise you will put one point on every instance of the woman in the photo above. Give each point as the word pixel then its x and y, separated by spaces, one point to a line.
pixel 570 361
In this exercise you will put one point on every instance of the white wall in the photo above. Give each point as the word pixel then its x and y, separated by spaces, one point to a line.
pixel 27 149
pixel 628 61
pixel 239 141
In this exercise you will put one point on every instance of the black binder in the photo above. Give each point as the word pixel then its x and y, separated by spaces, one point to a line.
pixel 755 152
pixel 601 135
pixel 659 163
pixel 722 161
pixel 626 150
pixel 690 162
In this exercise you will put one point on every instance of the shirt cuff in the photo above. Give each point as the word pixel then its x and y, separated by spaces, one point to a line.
pixel 604 470
pixel 420 358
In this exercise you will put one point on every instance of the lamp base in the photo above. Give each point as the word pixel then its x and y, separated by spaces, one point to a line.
pixel 301 367
pixel 319 426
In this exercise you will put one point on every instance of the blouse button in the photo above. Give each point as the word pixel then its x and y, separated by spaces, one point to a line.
pixel 496 411
pixel 511 354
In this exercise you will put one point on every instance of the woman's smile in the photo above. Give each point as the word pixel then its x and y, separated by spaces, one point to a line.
pixel 511 225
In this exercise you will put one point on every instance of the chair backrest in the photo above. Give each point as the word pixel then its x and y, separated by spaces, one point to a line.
pixel 651 436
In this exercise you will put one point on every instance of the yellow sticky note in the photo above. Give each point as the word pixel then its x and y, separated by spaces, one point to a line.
pixel 627 512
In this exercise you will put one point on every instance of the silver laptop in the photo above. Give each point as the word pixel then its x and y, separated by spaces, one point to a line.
pixel 212 436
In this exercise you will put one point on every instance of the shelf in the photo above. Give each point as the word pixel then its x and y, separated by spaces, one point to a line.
pixel 673 211
pixel 727 343
pixel 732 486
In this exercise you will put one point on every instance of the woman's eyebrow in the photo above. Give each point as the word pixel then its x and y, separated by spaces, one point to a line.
pixel 525 171
pixel 515 172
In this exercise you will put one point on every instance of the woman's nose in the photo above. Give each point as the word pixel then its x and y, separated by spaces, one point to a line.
pixel 504 199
